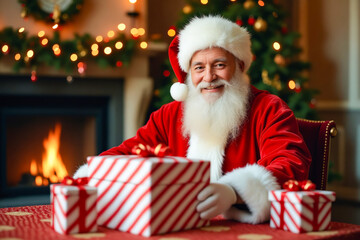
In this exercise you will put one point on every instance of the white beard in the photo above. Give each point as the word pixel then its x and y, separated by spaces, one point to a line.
pixel 211 125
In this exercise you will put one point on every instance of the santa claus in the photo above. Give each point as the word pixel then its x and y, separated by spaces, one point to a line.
pixel 250 136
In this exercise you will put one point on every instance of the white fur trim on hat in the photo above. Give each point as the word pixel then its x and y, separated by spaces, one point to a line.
pixel 252 184
pixel 214 31
pixel 179 91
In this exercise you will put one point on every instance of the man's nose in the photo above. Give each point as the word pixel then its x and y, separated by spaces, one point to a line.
pixel 209 75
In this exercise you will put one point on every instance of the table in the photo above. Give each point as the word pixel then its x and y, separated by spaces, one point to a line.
pixel 33 222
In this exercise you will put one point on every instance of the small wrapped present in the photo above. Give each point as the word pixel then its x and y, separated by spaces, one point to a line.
pixel 296 210
pixel 73 206
pixel 147 195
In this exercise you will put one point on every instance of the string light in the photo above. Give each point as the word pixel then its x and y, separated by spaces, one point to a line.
pixel 143 45
pixel 132 1
pixel 119 45
pixel 41 34
pixel 204 2
pixel 141 31
pixel 33 76
pixel 44 41
pixel 55 26
pixel 56 49
pixel 95 47
pixel 107 50
pixel 99 39
pixel 261 3
pixel 111 34
pixel 121 26
pixel 17 56
pixel 30 53
pixel 134 32
pixel 21 30
pixel 292 84
pixel 73 57
pixel 276 46
pixel 5 48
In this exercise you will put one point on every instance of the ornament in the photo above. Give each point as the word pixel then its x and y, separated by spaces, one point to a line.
pixel 275 82
pixel 187 9
pixel 284 30
pixel 248 4
pixel 239 22
pixel 251 20
pixel 33 76
pixel 56 13
pixel 23 13
pixel 279 60
pixel 69 79
pixel 260 25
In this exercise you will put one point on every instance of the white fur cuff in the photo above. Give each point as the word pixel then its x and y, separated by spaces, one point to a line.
pixel 252 184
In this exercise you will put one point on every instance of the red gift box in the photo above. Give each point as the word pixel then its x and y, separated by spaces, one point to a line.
pixel 148 195
pixel 73 208
pixel 301 211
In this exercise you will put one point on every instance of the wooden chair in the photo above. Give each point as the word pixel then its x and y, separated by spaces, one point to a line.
pixel 317 136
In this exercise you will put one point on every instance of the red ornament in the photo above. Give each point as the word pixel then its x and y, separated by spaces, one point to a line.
pixel 166 73
pixel 284 30
pixel 119 63
pixel 239 22
pixel 33 76
pixel 251 21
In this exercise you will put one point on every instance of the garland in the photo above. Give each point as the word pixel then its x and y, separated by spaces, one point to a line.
pixel 51 11
pixel 69 55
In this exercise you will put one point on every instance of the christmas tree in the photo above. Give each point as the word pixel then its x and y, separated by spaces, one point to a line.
pixel 276 66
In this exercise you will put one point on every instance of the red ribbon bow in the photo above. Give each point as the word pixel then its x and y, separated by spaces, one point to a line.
pixel 293 185
pixel 75 182
pixel 159 150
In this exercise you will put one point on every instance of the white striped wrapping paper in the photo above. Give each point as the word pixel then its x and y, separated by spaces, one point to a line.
pixel 148 196
pixel 73 211
pixel 301 211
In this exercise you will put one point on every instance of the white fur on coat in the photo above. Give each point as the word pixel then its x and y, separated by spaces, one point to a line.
pixel 252 184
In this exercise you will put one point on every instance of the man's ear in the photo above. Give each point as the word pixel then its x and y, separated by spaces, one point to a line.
pixel 241 65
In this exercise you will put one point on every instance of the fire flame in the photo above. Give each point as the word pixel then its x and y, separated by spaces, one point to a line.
pixel 53 167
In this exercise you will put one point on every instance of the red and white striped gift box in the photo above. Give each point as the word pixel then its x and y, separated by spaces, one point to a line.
pixel 73 208
pixel 300 211
pixel 148 195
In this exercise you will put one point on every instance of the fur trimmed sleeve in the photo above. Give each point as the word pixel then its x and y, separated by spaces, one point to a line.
pixel 252 184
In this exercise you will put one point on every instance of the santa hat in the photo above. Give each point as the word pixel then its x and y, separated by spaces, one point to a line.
pixel 202 33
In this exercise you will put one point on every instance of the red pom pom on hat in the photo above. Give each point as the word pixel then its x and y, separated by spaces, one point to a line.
pixel 178 90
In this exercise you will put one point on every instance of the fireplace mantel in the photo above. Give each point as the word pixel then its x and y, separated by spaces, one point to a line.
pixel 137 85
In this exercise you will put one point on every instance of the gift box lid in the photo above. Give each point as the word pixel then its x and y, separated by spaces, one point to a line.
pixel 161 170
pixel 68 190
pixel 301 196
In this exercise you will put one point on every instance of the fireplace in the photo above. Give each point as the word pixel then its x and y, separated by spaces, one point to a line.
pixel 51 126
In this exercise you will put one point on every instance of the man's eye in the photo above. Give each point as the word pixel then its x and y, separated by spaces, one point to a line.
pixel 220 65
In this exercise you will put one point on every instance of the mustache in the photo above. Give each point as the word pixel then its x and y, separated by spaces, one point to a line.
pixel 214 84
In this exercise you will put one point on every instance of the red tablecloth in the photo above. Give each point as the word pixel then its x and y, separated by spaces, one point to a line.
pixel 34 223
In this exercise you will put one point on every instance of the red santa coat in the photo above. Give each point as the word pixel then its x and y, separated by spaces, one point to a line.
pixel 268 151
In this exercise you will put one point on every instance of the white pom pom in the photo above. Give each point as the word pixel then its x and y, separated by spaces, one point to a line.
pixel 179 91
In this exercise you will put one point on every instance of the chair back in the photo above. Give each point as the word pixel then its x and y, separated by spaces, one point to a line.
pixel 317 136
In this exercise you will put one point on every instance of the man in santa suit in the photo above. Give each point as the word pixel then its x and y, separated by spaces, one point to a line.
pixel 250 137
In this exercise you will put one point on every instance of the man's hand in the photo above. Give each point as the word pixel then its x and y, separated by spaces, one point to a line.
pixel 215 199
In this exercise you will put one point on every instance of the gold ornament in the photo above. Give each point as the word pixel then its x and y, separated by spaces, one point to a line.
pixel 56 13
pixel 187 9
pixel 23 12
pixel 279 60
pixel 275 82
pixel 248 4
pixel 260 25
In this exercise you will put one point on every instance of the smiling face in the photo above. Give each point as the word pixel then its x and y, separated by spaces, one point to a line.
pixel 207 67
